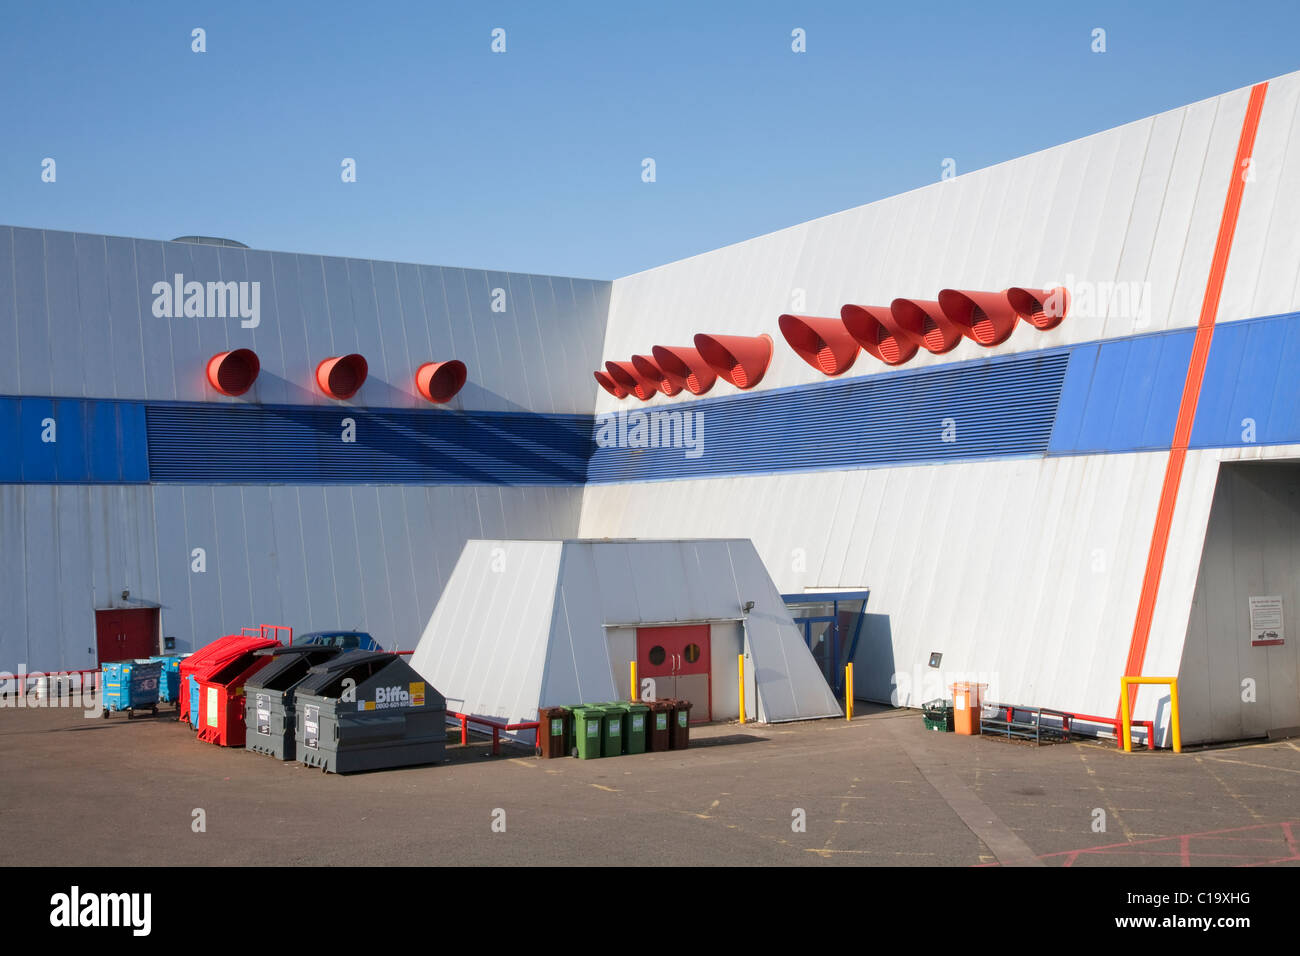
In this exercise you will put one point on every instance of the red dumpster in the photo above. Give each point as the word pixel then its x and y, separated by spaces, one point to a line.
pixel 221 700
pixel 200 659
pixel 210 658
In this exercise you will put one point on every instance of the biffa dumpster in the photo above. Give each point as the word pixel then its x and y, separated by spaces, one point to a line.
pixel 367 710
pixel 130 686
pixel 269 695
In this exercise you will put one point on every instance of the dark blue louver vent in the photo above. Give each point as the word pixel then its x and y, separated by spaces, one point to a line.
pixel 983 409
pixel 238 443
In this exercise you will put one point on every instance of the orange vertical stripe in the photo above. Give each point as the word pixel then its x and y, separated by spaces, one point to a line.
pixel 1192 391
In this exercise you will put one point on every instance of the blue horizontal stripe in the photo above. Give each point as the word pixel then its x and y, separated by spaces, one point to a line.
pixel 50 441
pixel 1116 396
pixel 987 408
pixel 260 443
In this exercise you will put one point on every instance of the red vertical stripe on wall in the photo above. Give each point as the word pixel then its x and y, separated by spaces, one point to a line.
pixel 1192 392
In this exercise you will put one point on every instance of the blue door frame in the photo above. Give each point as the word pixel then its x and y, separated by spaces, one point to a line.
pixel 837 655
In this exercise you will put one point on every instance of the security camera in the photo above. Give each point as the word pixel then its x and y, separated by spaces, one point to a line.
pixel 748 606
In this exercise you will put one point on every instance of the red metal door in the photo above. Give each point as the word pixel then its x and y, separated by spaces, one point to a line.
pixel 126 633
pixel 678 659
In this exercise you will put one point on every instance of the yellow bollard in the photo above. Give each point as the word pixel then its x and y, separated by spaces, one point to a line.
pixel 848 691
pixel 632 694
pixel 740 684
pixel 1126 720
pixel 1173 716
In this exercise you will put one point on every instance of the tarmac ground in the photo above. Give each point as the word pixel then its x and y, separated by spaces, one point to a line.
pixel 879 790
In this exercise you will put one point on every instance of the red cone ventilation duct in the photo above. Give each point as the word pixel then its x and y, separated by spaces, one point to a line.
pixel 440 381
pixel 874 328
pixel 741 360
pixel 925 322
pixel 234 372
pixel 626 376
pixel 609 385
pixel 983 317
pixel 685 367
pixel 823 343
pixel 342 376
pixel 649 370
pixel 1042 308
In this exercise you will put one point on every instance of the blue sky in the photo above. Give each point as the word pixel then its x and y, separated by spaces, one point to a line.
pixel 530 160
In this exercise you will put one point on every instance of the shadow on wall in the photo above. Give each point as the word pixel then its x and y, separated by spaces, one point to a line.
pixel 471 445
pixel 873 662
pixel 1164 726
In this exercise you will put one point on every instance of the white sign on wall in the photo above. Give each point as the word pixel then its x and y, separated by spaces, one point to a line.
pixel 1266 621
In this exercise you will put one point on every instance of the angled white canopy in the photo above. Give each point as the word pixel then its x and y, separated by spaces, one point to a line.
pixel 522 624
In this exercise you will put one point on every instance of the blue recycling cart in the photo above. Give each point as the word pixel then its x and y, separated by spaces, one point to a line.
pixel 130 686
pixel 195 709
pixel 169 680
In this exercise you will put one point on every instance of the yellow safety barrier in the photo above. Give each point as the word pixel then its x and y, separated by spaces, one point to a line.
pixel 633 691
pixel 1126 717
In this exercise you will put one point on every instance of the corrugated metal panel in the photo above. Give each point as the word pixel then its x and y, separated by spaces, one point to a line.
pixel 997 408
pixel 1249 550
pixel 1129 205
pixel 285 443
pixel 1122 395
pixel 485 646
pixel 1261 277
pixel 1248 393
pixel 93 442
pixel 80 310
pixel 1049 560
pixel 521 624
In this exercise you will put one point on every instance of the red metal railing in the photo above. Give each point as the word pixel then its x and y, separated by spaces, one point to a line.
pixel 497 727
pixel 1112 722
pixel 1067 717
pixel 272 631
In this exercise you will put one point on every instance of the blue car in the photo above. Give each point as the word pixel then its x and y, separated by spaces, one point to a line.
pixel 348 640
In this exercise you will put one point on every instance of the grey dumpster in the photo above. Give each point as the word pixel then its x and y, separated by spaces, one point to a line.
pixel 367 710
pixel 268 697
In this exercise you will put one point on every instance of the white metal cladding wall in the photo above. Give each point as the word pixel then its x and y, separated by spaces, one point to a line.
pixel 1249 550
pixel 1139 203
pixel 365 556
pixel 80 309
pixel 485 647
pixel 1024 572
pixel 1263 275
pixel 660 581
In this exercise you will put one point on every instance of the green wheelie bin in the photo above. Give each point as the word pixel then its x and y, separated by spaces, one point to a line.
pixel 588 731
pixel 636 723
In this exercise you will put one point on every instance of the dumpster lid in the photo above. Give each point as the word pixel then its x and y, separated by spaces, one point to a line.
pixel 349 659
pixel 288 665
pixel 323 651
pixel 370 669
pixel 233 646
